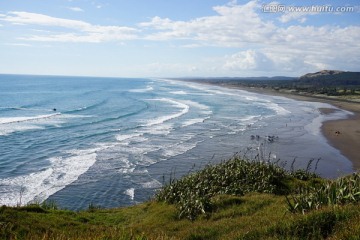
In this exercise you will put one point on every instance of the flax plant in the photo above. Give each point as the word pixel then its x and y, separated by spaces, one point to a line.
pixel 192 193
pixel 338 192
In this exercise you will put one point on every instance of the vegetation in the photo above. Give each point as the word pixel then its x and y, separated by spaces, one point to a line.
pixel 298 86
pixel 344 85
pixel 193 193
pixel 236 199
pixel 339 192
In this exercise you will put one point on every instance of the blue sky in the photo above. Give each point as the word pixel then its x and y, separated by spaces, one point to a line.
pixel 177 38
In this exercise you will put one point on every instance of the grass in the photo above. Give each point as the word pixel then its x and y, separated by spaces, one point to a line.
pixel 239 206
pixel 339 192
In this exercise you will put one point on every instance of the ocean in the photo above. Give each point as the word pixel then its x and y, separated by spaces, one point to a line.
pixel 112 142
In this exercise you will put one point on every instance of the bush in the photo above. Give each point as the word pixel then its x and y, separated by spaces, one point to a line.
pixel 192 194
pixel 338 192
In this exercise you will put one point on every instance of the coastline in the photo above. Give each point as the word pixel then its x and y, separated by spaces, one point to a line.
pixel 343 134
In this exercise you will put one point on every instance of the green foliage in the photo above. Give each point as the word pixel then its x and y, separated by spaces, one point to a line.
pixel 49 205
pixel 192 194
pixel 318 225
pixel 252 216
pixel 343 85
pixel 338 192
pixel 33 208
pixel 241 200
pixel 93 207
pixel 304 175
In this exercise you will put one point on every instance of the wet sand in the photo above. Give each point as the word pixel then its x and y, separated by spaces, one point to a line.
pixel 342 134
pixel 345 134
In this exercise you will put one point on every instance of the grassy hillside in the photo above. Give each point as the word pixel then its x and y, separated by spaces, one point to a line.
pixel 332 78
pixel 326 83
pixel 233 200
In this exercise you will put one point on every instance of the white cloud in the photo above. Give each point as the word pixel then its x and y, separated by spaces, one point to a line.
pixel 248 60
pixel 294 48
pixel 257 41
pixel 76 9
pixel 92 37
pixel 301 49
pixel 300 16
pixel 27 18
pixel 232 26
pixel 80 31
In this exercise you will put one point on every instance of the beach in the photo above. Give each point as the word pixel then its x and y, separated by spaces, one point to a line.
pixel 345 134
pixel 342 134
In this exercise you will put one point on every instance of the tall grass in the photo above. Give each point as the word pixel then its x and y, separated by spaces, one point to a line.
pixel 193 193
pixel 341 191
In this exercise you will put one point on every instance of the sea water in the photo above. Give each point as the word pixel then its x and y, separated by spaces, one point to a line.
pixel 114 141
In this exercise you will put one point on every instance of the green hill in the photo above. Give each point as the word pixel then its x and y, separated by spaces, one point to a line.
pixel 331 78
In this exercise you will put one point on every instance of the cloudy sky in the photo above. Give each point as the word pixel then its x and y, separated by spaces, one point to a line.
pixel 177 38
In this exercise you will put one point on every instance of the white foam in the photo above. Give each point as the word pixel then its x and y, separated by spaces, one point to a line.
pixel 231 92
pixel 141 171
pixel 161 129
pixel 139 139
pixel 130 192
pixel 123 137
pixel 142 90
pixel 177 149
pixel 222 92
pixel 28 109
pixel 196 104
pixel 126 167
pixel 6 129
pixel 278 109
pixel 40 185
pixel 184 109
pixel 247 118
pixel 179 92
pixel 9 125
pixel 144 160
pixel 152 184
pixel 190 122
pixel 251 98
pixel 314 127
pixel 15 190
pixel 10 120
pixel 67 116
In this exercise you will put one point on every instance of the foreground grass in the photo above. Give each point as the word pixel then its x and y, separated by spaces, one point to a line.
pixel 240 212
pixel 253 216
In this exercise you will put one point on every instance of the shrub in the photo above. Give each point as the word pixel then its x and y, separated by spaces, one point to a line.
pixel 338 192
pixel 192 193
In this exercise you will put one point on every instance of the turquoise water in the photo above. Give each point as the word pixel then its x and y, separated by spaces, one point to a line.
pixel 111 141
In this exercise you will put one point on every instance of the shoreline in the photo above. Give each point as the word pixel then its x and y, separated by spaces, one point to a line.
pixel 342 134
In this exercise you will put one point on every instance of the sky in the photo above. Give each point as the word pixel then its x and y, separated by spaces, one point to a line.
pixel 178 38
